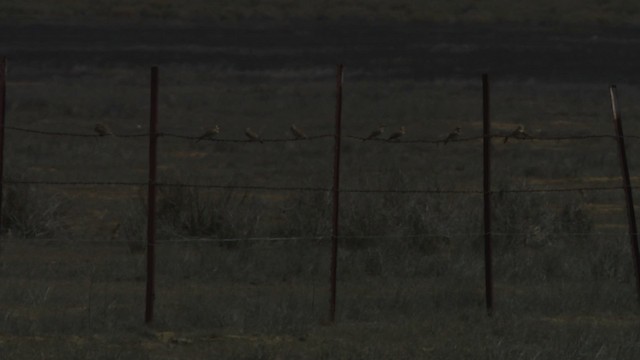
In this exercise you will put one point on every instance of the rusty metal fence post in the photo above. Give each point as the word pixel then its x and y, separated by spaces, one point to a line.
pixel 624 168
pixel 486 144
pixel 151 196
pixel 3 95
pixel 336 194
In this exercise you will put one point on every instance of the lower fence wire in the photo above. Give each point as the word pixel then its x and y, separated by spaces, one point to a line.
pixel 187 240
pixel 307 189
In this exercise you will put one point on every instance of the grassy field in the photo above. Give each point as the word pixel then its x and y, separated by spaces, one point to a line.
pixel 410 267
pixel 542 12
pixel 410 270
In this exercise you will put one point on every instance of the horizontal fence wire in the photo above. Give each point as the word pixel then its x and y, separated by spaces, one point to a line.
pixel 316 189
pixel 71 134
pixel 307 189
pixel 73 183
pixel 267 140
pixel 187 240
pixel 324 136
pixel 570 189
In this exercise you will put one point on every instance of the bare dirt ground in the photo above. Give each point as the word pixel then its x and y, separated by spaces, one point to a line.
pixel 413 51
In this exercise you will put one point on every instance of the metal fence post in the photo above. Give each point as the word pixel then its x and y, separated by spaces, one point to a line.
pixel 151 196
pixel 3 95
pixel 336 193
pixel 624 168
pixel 486 128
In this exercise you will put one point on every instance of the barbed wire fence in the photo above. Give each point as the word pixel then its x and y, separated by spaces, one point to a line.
pixel 152 184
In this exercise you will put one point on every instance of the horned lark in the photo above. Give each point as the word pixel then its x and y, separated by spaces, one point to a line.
pixel 102 130
pixel 375 133
pixel 299 134
pixel 397 134
pixel 518 133
pixel 209 133
pixel 453 136
pixel 252 135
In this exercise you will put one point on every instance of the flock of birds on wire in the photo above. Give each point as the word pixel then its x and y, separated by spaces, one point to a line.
pixel 298 134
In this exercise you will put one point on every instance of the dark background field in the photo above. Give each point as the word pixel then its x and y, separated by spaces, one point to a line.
pixel 410 266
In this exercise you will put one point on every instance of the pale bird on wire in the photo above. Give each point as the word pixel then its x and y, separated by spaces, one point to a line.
pixel 252 135
pixel 102 130
pixel 375 133
pixel 209 134
pixel 297 132
pixel 396 135
pixel 453 136
pixel 518 133
pixel 115 233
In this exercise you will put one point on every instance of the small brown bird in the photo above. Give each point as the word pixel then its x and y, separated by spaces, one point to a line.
pixel 297 132
pixel 252 135
pixel 396 135
pixel 453 136
pixel 209 134
pixel 375 133
pixel 102 130
pixel 518 133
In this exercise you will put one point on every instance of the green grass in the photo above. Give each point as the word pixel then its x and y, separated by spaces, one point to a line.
pixel 565 12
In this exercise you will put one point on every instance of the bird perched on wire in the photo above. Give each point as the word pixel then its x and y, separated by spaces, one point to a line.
pixel 102 130
pixel 252 135
pixel 375 133
pixel 209 134
pixel 297 132
pixel 453 136
pixel 396 135
pixel 518 133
